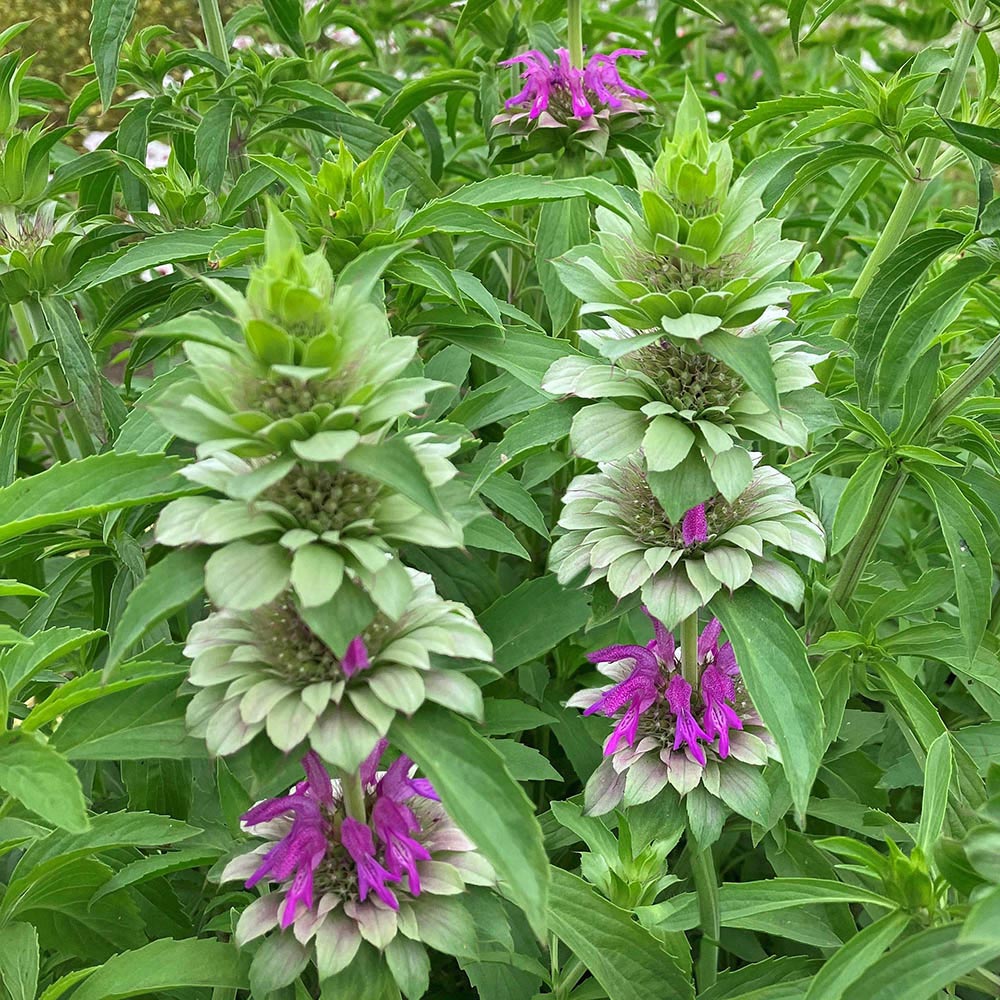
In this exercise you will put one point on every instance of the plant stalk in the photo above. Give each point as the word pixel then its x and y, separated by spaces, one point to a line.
pixel 354 796
pixel 215 34
pixel 574 32
pixel 569 978
pixel 909 198
pixel 863 543
pixel 689 650
pixel 706 883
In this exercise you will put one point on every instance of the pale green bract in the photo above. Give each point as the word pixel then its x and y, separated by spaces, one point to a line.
pixel 616 530
pixel 697 257
pixel 317 368
pixel 266 671
pixel 669 400
pixel 311 526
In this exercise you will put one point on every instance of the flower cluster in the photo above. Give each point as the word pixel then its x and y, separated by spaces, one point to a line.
pixel 669 399
pixel 386 869
pixel 617 530
pixel 312 480
pixel 266 670
pixel 560 102
pixel 670 729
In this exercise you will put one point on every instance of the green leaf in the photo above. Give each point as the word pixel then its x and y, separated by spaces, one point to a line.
pixel 393 463
pixel 167 965
pixel 562 225
pixel 924 319
pixel 18 666
pixel 683 487
pixel 937 781
pixel 976 139
pixel 176 246
pixel 970 556
pixel 157 866
pixel 42 780
pixel 923 964
pixel 167 587
pixel 77 362
pixel 84 487
pixel 537 431
pixel 532 619
pixel 414 93
pixel 750 358
pixel 856 500
pixel 853 960
pixel 211 143
pixel 19 960
pixel 882 301
pixel 780 682
pixel 10 434
pixel 109 24
pixel 484 800
pixel 624 957
pixel 284 17
pixel 137 724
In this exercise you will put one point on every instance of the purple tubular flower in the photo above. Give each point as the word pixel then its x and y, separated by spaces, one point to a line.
pixel 635 694
pixel 539 78
pixel 688 731
pixel 369 766
pixel 694 527
pixel 397 785
pixel 717 691
pixel 602 77
pixel 708 638
pixel 355 658
pixel 357 839
pixel 570 77
pixel 299 853
pixel 393 824
pixel 663 644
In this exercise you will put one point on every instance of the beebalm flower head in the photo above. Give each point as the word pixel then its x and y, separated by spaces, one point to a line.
pixel 314 526
pixel 561 103
pixel 666 730
pixel 670 399
pixel 696 256
pixel 393 879
pixel 267 671
pixel 315 371
pixel 617 530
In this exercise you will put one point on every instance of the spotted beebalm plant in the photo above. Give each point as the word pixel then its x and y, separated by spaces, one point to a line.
pixel 498 500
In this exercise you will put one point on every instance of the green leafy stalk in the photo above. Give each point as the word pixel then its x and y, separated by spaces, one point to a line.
pixel 689 650
pixel 706 882
pixel 863 543
pixel 574 32
pixel 354 796
pixel 909 198
pixel 215 35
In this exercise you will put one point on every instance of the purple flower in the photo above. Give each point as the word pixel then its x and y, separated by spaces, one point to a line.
pixel 721 78
pixel 717 690
pixel 602 77
pixel 636 693
pixel 552 83
pixel 355 657
pixel 694 527
pixel 299 853
pixel 397 784
pixel 687 731
pixel 357 838
pixel 394 823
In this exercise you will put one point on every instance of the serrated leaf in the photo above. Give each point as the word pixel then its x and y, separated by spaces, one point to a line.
pixel 109 24
pixel 42 780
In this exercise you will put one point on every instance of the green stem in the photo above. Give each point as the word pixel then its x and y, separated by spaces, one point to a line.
pixel 31 328
pixel 909 198
pixel 976 373
pixel 354 796
pixel 574 32
pixel 706 883
pixel 689 650
pixel 569 978
pixel 215 34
